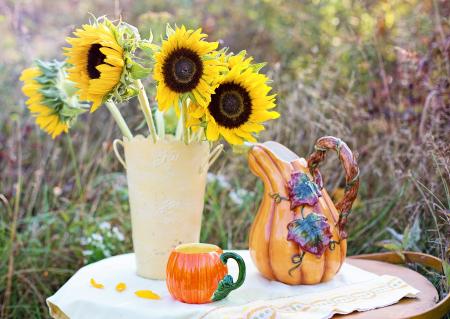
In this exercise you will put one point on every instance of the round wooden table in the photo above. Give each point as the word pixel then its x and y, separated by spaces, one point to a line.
pixel 405 308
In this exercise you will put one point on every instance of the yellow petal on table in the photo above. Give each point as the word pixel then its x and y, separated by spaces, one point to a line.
pixel 96 284
pixel 147 294
pixel 121 286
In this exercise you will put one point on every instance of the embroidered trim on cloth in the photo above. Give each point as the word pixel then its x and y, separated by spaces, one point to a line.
pixel 377 293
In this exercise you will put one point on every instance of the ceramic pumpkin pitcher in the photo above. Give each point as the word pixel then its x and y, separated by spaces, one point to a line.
pixel 298 235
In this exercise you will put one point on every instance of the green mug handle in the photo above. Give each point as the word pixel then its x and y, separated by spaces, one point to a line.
pixel 226 285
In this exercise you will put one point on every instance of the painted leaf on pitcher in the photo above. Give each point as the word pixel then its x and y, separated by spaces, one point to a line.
pixel 312 233
pixel 302 191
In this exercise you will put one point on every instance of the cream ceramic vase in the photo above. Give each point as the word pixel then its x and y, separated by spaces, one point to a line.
pixel 166 183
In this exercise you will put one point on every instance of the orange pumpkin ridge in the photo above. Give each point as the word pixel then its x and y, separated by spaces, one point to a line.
pixel 280 248
pixel 259 242
pixel 262 223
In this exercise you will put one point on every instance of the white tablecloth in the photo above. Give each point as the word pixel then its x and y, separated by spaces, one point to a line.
pixel 351 289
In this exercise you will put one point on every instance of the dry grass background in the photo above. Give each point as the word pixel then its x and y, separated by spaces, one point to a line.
pixel 375 73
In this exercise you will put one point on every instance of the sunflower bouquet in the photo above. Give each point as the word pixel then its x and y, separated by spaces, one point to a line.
pixel 214 93
pixel 210 92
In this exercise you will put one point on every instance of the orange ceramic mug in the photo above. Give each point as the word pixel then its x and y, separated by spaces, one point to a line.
pixel 198 273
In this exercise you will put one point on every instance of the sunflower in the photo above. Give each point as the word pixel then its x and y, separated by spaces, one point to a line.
pixel 98 61
pixel 51 98
pixel 239 105
pixel 186 65
pixel 231 60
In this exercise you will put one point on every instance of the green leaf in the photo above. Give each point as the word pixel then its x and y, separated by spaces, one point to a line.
pixel 446 267
pixel 242 52
pixel 416 231
pixel 148 47
pixel 258 66
pixel 150 37
pixel 169 30
pixel 139 72
pixel 406 237
pixel 390 244
pixel 71 111
pixel 131 30
pixel 411 235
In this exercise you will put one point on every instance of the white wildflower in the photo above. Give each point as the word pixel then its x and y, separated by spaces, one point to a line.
pixel 87 252
pixel 239 195
pixel 119 235
pixel 85 241
pixel 97 237
pixel 105 225
pixel 220 179
pixel 235 198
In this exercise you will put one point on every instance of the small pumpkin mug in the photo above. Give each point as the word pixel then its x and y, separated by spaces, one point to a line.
pixel 197 273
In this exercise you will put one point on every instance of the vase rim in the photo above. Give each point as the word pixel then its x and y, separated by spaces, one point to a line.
pixel 169 139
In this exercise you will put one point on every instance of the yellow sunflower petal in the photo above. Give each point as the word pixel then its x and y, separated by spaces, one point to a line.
pixel 121 286
pixel 147 294
pixel 253 127
pixel 96 284
pixel 193 123
pixel 212 131
pixel 245 135
pixel 231 137
pixel 96 103
pixel 29 74
pixel 264 116
pixel 58 129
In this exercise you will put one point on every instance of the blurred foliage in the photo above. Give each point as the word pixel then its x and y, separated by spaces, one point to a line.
pixel 375 73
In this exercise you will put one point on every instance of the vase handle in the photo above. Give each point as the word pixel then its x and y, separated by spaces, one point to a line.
pixel 116 152
pixel 213 156
pixel 226 285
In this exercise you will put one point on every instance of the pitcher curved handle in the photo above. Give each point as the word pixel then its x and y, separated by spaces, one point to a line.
pixel 351 169
pixel 116 152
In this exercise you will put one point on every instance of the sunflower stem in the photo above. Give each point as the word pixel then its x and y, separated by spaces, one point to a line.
pixel 112 107
pixel 145 107
pixel 199 135
pixel 184 107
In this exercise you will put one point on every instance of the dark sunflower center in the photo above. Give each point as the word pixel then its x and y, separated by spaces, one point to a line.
pixel 230 105
pixel 182 70
pixel 95 58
